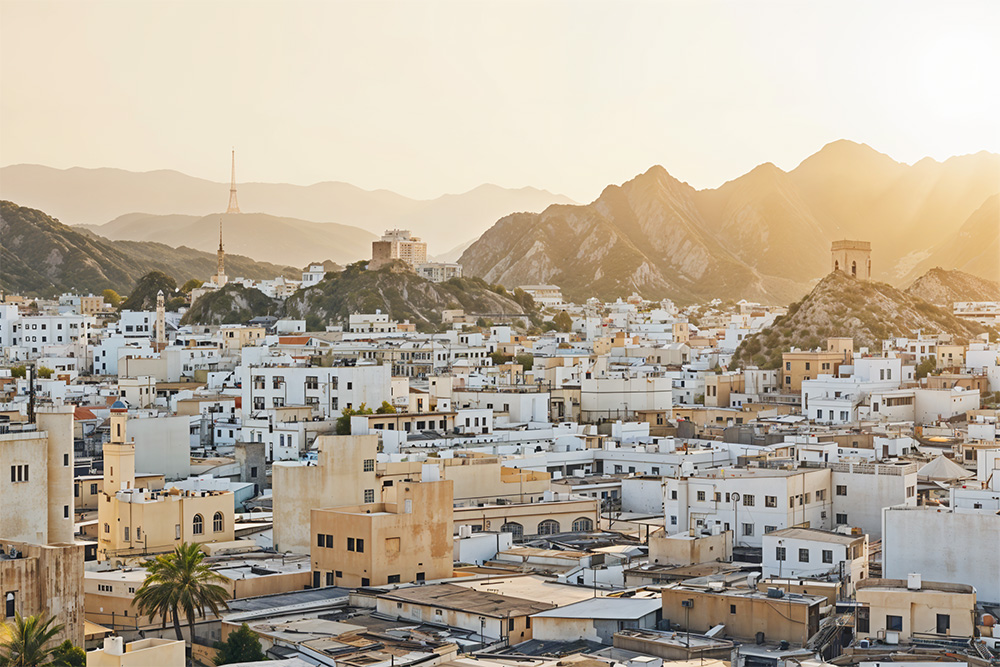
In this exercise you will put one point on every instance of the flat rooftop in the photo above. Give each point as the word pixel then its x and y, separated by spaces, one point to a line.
pixel 815 535
pixel 472 601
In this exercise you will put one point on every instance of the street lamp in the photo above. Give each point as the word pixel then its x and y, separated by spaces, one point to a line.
pixel 482 631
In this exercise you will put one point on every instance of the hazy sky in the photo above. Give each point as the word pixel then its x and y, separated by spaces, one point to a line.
pixel 431 97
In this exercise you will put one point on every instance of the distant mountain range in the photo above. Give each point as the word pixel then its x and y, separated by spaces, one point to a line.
pixel 765 235
pixel 943 288
pixel 41 256
pixel 97 196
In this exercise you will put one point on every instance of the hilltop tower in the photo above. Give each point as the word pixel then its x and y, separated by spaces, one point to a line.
pixel 220 278
pixel 853 258
pixel 161 324
pixel 234 206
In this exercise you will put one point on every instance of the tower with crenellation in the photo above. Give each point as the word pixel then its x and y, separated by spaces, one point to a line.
pixel 853 258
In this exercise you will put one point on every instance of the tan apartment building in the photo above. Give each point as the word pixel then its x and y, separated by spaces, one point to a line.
pixel 799 365
pixel 407 537
pixel 135 521
pixel 36 478
pixel 398 244
pixel 719 387
pixel 476 478
pixel 744 613
pixel 898 608
pixel 236 338
pixel 36 579
pixel 533 518
pixel 88 489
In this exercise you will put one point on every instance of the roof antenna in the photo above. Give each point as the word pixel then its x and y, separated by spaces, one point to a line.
pixel 31 393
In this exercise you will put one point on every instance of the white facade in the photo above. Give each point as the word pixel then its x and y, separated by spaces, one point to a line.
pixel 327 389
pixel 612 398
pixel 799 553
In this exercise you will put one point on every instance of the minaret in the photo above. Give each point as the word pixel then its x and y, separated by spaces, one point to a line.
pixel 220 277
pixel 234 206
pixel 119 453
pixel 161 325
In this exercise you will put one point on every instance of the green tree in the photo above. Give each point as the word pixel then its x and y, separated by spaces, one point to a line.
pixel 192 284
pixel 44 372
pixel 563 321
pixel 19 371
pixel 67 655
pixel 386 408
pixel 526 360
pixel 344 420
pixel 180 582
pixel 500 358
pixel 27 639
pixel 240 646
pixel 112 297
pixel 925 367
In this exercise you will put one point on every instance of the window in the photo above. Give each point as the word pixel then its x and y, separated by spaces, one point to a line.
pixel 329 579
pixel 748 500
pixel 909 491
pixel 821 495
pixel 369 495
pixel 827 556
pixel 65 460
pixel 329 541
pixel 673 494
pixel 841 519
pixel 126 534
pixel 19 473
pixel 808 498
pixel 943 624
pixel 320 539
pixel 360 544
pixel 841 490
pixel 894 623
pixel 655 470
pixel 393 579
pixel 803 555
pixel 732 609
pixel 510 625
pixel 770 501
pixel 65 511
pixel 779 553
pixel 514 528
pixel 217 522
pixel 253 471
pixel 421 576
pixel 788 365
pixel 549 527
pixel 369 465
pixel 701 496
pixel 365 581
pixel 747 529
pixel 583 525
pixel 177 531
pixel 107 528
pixel 350 544
pixel 198 524
pixel 770 529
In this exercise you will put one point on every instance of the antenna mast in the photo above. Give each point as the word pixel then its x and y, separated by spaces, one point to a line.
pixel 234 206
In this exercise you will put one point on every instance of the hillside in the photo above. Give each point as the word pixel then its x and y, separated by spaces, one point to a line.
pixel 95 196
pixel 41 256
pixel 765 235
pixel 943 288
pixel 841 306
pixel 233 304
pixel 285 241
pixel 403 295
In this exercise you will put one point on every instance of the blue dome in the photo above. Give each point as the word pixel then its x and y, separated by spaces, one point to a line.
pixel 119 405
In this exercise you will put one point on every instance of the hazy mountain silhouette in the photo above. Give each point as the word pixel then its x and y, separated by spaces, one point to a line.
pixel 96 196
pixel 765 235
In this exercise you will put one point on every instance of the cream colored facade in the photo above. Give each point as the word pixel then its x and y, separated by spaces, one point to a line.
pixel 476 478
pixel 853 258
pixel 532 518
pixel 909 606
pixel 135 521
pixel 36 479
pixel 44 579
pixel 686 549
pixel 235 338
pixel 799 365
pixel 90 488
pixel 344 472
pixel 407 537
pixel 142 653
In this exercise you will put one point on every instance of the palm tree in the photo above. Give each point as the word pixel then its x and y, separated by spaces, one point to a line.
pixel 181 582
pixel 26 643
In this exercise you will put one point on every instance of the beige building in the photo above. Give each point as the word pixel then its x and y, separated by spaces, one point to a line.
pixel 398 244
pixel 343 475
pixel 476 478
pixel 799 365
pixel 36 478
pixel 88 489
pixel 690 549
pixel 744 613
pixel 551 517
pixel 235 338
pixel 36 579
pixel 406 537
pixel 134 521
pixel 853 258
pixel 896 608
pixel 142 653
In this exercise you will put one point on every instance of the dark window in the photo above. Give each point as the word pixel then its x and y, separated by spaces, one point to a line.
pixel 361 545
pixel 329 541
pixel 253 471
pixel 943 624
pixel 393 579
pixel 864 616
pixel 803 555
pixel 779 553
pixel 350 544
pixel 827 556
pixel 841 519
pixel 365 581
pixel 329 578
pixel 320 541
pixel 894 623
pixel 510 625
pixel 841 490
pixel 732 609
pixel 420 576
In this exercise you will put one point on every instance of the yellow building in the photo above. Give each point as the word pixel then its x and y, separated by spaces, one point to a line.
pixel 235 338
pixel 135 521
pixel 477 478
pixel 142 653
pixel 799 365
pixel 406 537
pixel 912 606
pixel 577 514
pixel 90 488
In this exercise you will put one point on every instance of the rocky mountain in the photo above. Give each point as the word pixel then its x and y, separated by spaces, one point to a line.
pixel 840 305
pixel 269 238
pixel 403 295
pixel 95 196
pixel 943 288
pixel 764 236
pixel 233 304
pixel 41 256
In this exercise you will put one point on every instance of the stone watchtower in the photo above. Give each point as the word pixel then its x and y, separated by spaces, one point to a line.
pixel 853 258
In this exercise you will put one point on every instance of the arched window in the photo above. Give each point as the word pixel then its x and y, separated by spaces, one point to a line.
pixel 198 525
pixel 869 268
pixel 583 525
pixel 549 527
pixel 217 522
pixel 514 528
pixel 854 269
pixel 836 265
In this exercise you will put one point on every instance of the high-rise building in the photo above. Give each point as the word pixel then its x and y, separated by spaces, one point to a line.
pixel 398 244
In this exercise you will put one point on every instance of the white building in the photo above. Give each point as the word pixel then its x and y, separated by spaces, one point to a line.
pixel 327 389
pixel 806 553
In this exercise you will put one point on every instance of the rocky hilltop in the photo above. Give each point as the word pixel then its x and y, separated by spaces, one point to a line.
pixel 763 236
pixel 943 288
pixel 403 295
pixel 842 306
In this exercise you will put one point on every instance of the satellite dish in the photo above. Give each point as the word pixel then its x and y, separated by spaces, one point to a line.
pixel 735 497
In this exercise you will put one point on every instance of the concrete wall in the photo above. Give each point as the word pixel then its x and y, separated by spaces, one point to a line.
pixel 683 549
pixel 162 445
pixel 47 579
